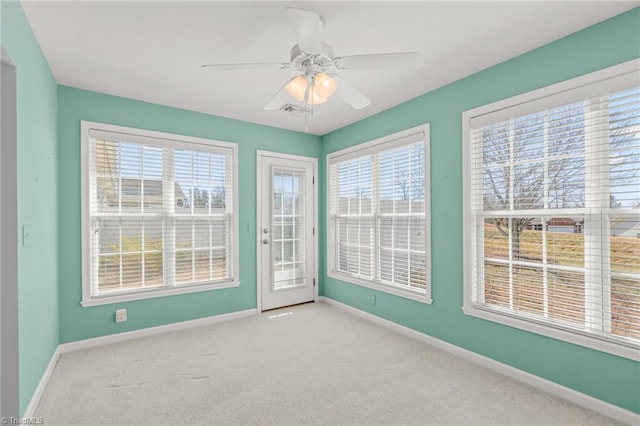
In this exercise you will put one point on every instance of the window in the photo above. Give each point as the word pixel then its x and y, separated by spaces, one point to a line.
pixel 378 214
pixel 552 211
pixel 159 214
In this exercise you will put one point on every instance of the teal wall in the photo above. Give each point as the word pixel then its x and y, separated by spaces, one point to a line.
pixel 607 377
pixel 74 105
pixel 50 261
pixel 37 199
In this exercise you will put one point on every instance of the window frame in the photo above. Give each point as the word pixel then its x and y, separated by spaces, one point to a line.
pixel 391 141
pixel 167 140
pixel 470 237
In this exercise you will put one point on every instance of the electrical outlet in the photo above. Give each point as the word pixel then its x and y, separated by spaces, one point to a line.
pixel 121 315
pixel 373 300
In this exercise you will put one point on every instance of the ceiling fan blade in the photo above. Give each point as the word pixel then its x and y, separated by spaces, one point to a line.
pixel 350 95
pixel 307 25
pixel 379 61
pixel 246 66
pixel 280 98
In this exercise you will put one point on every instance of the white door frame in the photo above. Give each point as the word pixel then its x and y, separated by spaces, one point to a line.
pixel 259 155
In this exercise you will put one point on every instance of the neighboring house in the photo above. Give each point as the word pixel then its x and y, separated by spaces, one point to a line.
pixel 558 224
pixel 620 226
pixel 131 190
pixel 115 191
pixel 565 224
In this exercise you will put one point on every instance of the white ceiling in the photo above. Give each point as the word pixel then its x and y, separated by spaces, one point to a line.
pixel 152 51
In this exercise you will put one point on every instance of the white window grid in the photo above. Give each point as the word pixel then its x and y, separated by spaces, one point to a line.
pixel 596 214
pixel 294 218
pixel 166 217
pixel 371 275
pixel 173 217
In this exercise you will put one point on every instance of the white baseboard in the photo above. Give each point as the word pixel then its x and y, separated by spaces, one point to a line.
pixel 42 384
pixel 545 385
pixel 120 337
pixel 151 331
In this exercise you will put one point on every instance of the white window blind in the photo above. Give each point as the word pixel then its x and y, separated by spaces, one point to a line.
pixel 378 214
pixel 554 203
pixel 161 213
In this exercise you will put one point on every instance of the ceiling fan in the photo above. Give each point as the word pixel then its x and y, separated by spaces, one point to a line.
pixel 316 62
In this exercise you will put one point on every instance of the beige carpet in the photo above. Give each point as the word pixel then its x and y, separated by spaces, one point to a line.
pixel 307 364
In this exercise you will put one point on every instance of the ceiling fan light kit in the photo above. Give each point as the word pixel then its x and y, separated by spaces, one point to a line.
pixel 325 85
pixel 321 87
pixel 314 86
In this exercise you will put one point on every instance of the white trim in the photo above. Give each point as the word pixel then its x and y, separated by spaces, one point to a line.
pixel 42 385
pixel 403 137
pixel 389 141
pixel 91 130
pixel 386 288
pixel 628 70
pixel 151 136
pixel 316 234
pixel 258 231
pixel 571 395
pixel 153 293
pixel 235 214
pixel 116 338
pixel 152 331
pixel 278 155
pixel 470 200
pixel 556 333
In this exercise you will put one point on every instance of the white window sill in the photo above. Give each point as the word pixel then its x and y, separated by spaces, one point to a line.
pixel 422 297
pixel 153 293
pixel 556 333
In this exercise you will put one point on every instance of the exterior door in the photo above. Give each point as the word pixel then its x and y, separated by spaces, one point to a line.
pixel 286 240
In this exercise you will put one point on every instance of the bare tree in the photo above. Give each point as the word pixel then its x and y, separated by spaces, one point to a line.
pixel 411 183
pixel 403 182
pixel 533 164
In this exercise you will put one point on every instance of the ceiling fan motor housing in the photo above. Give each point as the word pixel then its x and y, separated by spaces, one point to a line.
pixel 312 64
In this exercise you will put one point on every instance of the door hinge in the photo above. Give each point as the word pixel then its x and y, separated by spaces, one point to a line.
pixel 313 180
pixel 314 230
pixel 314 282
